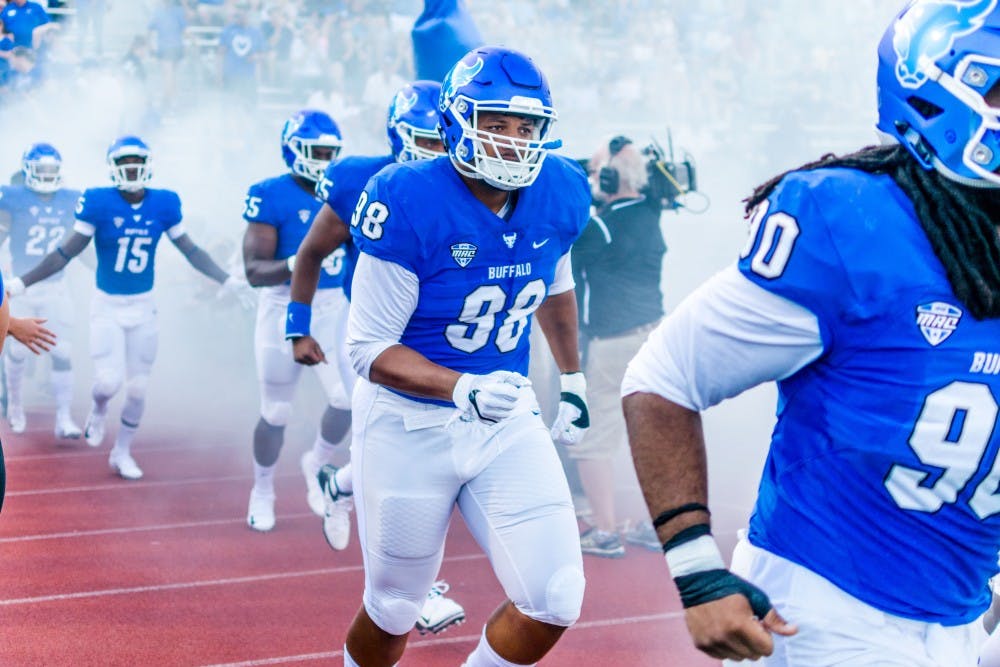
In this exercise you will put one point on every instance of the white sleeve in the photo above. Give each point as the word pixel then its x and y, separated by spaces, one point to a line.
pixel 563 280
pixel 383 297
pixel 176 230
pixel 729 335
pixel 85 228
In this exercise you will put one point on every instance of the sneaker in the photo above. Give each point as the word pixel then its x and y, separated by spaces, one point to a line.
pixel 93 429
pixel 645 536
pixel 439 613
pixel 15 417
pixel 601 543
pixel 314 494
pixel 66 428
pixel 337 507
pixel 124 465
pixel 260 511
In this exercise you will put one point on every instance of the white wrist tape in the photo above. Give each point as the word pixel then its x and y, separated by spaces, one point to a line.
pixel 698 555
pixel 291 263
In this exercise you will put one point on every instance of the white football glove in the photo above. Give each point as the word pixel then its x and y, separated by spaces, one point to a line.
pixel 489 398
pixel 238 288
pixel 573 418
pixel 14 286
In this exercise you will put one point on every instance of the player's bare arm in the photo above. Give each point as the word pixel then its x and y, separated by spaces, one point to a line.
pixel 327 233
pixel 558 318
pixel 52 263
pixel 199 259
pixel 404 369
pixel 668 447
pixel 259 243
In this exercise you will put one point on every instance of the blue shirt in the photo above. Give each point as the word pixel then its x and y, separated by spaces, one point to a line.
pixel 481 277
pixel 126 235
pixel 281 203
pixel 22 21
pixel 241 43
pixel 168 23
pixel 883 463
pixel 343 182
pixel 38 223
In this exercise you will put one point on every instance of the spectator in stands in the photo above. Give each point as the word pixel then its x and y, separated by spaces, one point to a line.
pixel 27 21
pixel 240 49
pixel 210 12
pixel 24 73
pixel 279 37
pixel 90 19
pixel 166 33
pixel 617 262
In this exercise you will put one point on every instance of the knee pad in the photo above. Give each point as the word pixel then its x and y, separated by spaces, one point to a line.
pixel 16 352
pixel 106 383
pixel 563 598
pixel 397 616
pixel 135 389
pixel 60 362
pixel 335 424
pixel 275 413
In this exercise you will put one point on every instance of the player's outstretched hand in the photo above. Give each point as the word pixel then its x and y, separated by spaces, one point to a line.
pixel 29 332
pixel 727 629
pixel 307 351
pixel 239 289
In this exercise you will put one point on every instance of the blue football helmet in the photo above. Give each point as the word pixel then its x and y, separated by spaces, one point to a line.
pixel 130 176
pixel 413 114
pixel 42 167
pixel 494 79
pixel 310 140
pixel 938 62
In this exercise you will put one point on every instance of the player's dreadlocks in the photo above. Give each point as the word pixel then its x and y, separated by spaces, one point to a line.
pixel 960 221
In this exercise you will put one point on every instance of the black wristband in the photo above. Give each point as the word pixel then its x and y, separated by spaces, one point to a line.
pixel 667 515
pixel 689 534
pixel 702 587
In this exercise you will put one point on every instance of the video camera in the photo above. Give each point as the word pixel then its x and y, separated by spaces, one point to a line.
pixel 669 180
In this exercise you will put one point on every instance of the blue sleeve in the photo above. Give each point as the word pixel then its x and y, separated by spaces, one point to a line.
pixel 380 227
pixel 576 195
pixel 172 209
pixel 88 207
pixel 791 252
pixel 256 207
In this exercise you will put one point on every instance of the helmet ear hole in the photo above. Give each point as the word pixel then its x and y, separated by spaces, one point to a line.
pixel 927 110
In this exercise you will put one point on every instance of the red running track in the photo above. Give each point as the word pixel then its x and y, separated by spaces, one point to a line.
pixel 164 571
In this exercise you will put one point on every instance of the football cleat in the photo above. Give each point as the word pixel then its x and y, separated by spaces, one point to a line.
pixel 314 493
pixel 439 612
pixel 15 417
pixel 93 430
pixel 337 507
pixel 66 428
pixel 260 511
pixel 124 465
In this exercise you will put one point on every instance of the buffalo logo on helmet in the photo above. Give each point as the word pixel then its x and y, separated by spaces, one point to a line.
pixel 928 31
pixel 402 104
pixel 459 76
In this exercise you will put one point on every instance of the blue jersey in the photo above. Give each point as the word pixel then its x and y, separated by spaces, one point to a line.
pixel 342 183
pixel 126 235
pixel 283 204
pixel 884 463
pixel 481 277
pixel 38 223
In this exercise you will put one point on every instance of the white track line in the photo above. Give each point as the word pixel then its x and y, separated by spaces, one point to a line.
pixel 139 529
pixel 118 485
pixel 75 450
pixel 453 639
pixel 59 597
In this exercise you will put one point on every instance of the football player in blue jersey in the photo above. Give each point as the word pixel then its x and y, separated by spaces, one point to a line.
pixel 126 222
pixel 457 254
pixel 412 129
pixel 278 212
pixel 38 215
pixel 869 289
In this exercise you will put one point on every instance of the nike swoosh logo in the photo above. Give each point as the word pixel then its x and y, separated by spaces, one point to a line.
pixel 536 246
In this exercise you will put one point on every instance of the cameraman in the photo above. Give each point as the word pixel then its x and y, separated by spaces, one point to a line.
pixel 617 264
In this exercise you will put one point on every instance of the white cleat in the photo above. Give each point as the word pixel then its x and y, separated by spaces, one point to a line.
pixel 124 465
pixel 337 507
pixel 439 613
pixel 94 429
pixel 66 428
pixel 260 511
pixel 15 417
pixel 314 494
